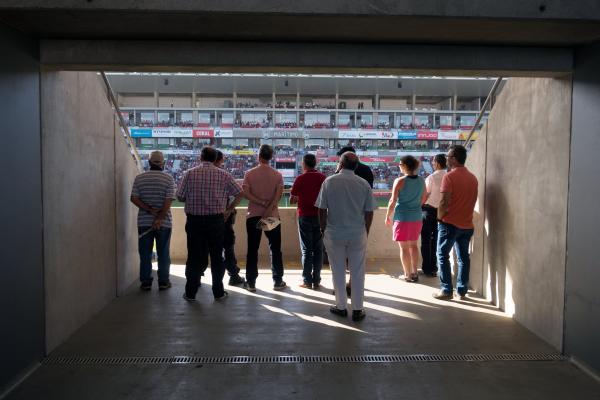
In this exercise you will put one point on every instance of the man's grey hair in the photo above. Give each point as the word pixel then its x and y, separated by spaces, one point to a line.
pixel 349 160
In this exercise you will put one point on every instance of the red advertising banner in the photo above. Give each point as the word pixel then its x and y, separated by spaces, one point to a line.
pixel 384 159
pixel 285 159
pixel 203 133
pixel 427 135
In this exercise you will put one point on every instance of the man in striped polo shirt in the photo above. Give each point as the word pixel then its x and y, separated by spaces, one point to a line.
pixel 152 192
pixel 206 190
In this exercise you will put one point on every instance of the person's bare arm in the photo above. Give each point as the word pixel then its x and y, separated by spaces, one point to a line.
pixel 181 191
pixel 425 196
pixel 368 220
pixel 162 213
pixel 398 184
pixel 275 200
pixel 443 208
pixel 143 206
pixel 248 194
pixel 231 207
pixel 293 199
pixel 322 218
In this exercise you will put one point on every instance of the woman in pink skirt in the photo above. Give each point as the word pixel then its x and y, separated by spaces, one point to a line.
pixel 404 209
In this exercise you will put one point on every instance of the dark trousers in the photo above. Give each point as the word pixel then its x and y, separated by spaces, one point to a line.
pixel 429 235
pixel 229 247
pixel 229 260
pixel 204 237
pixel 311 244
pixel 254 235
pixel 145 245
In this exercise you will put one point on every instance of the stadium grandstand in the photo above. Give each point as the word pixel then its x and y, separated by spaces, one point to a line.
pixel 383 117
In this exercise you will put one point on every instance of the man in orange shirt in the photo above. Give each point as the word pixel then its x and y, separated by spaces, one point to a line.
pixel 455 223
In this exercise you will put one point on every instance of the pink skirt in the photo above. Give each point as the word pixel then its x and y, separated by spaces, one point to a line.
pixel 407 231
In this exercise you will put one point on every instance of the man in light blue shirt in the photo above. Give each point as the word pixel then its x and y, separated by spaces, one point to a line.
pixel 346 207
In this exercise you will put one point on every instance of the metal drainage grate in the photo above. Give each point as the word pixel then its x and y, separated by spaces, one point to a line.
pixel 408 358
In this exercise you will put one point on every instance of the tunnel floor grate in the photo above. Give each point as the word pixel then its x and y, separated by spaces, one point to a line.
pixel 408 358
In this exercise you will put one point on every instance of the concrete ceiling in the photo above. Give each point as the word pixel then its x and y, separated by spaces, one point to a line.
pixel 507 22
pixel 313 85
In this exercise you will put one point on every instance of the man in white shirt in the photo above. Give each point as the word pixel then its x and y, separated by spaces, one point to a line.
pixel 346 207
pixel 429 230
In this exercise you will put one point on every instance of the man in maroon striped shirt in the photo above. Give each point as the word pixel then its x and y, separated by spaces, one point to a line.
pixel 206 190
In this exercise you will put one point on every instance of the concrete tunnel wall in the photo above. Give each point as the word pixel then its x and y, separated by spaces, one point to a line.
pixel 89 226
pixel 522 162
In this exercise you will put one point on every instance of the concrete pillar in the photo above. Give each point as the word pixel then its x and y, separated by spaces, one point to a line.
pixel 22 294
pixel 582 310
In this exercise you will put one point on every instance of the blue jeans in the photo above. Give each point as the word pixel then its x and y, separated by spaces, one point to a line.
pixel 451 236
pixel 311 244
pixel 145 245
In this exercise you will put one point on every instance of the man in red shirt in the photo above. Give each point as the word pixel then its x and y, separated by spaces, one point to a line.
pixel 305 192
pixel 455 223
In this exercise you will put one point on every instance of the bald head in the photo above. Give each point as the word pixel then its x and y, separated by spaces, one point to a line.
pixel 349 160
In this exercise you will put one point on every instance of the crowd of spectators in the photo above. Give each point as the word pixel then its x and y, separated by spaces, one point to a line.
pixel 267 122
pixel 286 125
pixel 319 125
pixel 314 104
pixel 252 124
pixel 237 164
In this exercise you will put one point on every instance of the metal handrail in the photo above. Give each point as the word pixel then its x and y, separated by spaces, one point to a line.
pixel 122 123
pixel 482 111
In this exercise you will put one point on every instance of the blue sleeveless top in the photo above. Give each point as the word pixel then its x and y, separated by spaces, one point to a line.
pixel 408 205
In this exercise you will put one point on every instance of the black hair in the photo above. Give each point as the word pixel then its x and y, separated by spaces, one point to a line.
pixel 345 149
pixel 265 152
pixel 219 156
pixel 460 153
pixel 411 163
pixel 441 159
pixel 310 160
pixel 208 154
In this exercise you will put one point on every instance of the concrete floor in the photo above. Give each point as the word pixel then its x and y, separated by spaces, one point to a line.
pixel 402 318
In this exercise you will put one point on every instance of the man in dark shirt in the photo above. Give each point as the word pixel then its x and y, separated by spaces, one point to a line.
pixel 363 170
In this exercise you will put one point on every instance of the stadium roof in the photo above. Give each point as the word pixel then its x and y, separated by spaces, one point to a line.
pixel 367 85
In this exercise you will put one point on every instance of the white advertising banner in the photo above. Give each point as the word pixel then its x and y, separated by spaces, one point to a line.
pixel 366 134
pixel 171 132
pixel 348 134
pixel 287 173
pixel 448 135
pixel 223 133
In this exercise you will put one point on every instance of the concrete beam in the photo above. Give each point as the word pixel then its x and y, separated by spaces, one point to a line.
pixel 304 57
pixel 519 9
pixel 510 22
